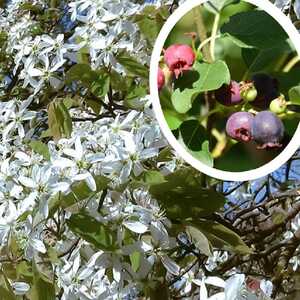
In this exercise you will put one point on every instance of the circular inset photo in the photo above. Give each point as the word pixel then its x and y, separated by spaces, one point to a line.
pixel 225 84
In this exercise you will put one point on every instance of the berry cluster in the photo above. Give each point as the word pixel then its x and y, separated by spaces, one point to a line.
pixel 264 127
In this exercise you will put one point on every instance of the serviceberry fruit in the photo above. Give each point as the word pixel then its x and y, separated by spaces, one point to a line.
pixel 179 58
pixel 229 94
pixel 278 105
pixel 160 79
pixel 239 126
pixel 248 91
pixel 267 130
pixel 267 90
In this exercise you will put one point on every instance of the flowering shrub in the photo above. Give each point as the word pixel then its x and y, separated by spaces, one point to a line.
pixel 93 203
pixel 231 91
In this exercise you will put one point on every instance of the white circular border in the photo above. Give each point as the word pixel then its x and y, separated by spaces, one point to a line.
pixel 266 169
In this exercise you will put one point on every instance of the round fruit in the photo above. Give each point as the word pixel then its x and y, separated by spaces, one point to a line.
pixel 248 91
pixel 179 58
pixel 267 130
pixel 267 90
pixel 229 94
pixel 160 79
pixel 278 105
pixel 239 126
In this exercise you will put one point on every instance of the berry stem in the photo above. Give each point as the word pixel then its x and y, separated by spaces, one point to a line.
pixel 214 35
pixel 291 64
pixel 201 29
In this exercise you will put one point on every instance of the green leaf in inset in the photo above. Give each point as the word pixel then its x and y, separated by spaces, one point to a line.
pixel 183 197
pixel 294 95
pixel 193 134
pixel 216 6
pixel 255 28
pixel 173 118
pixel 135 259
pixel 212 76
pixel 259 59
pixel 204 154
pixel 222 237
pixel 182 99
pixel 59 120
pixel 132 65
pixel 200 240
pixel 93 231
pixel 40 148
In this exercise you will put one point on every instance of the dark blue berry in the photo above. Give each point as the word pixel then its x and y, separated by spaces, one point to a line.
pixel 267 130
pixel 267 90
pixel 239 126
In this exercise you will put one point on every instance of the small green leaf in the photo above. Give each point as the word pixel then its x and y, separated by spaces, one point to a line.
pixel 40 148
pixel 294 95
pixel 59 120
pixel 42 288
pixel 93 231
pixel 200 240
pixel 173 119
pixel 182 99
pixel 153 177
pixel 193 134
pixel 204 154
pixel 246 27
pixel 212 76
pixel 82 73
pixel 94 105
pixel 132 65
pixel 183 197
pixel 100 86
pixel 135 259
pixel 216 6
pixel 222 237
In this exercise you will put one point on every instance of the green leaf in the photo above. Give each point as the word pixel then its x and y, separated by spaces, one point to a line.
pixel 94 105
pixel 294 95
pixel 59 120
pixel 80 191
pixel 82 73
pixel 204 154
pixel 92 231
pixel 6 295
pixel 216 6
pixel 246 27
pixel 200 240
pixel 193 134
pixel 182 99
pixel 40 148
pixel 132 65
pixel 259 59
pixel 222 237
pixel 134 95
pixel 153 177
pixel 288 80
pixel 42 289
pixel 100 86
pixel 183 197
pixel 135 259
pixel 212 76
pixel 173 119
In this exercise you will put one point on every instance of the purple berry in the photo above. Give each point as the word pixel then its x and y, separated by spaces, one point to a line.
pixel 239 126
pixel 267 90
pixel 229 94
pixel 267 130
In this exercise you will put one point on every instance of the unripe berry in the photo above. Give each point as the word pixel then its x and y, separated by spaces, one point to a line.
pixel 160 79
pixel 248 91
pixel 179 58
pixel 267 130
pixel 239 126
pixel 229 94
pixel 278 105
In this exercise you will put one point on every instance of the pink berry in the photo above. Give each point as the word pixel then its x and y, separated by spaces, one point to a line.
pixel 229 94
pixel 179 58
pixel 160 79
